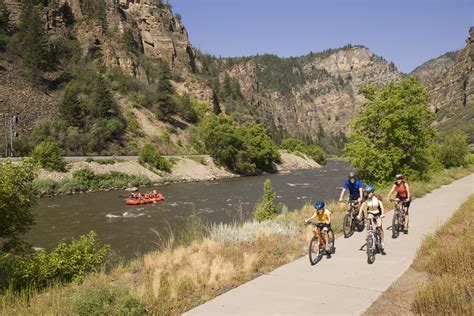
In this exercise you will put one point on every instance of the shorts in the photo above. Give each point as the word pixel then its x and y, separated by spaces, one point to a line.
pixel 323 227
pixel 405 201
pixel 376 218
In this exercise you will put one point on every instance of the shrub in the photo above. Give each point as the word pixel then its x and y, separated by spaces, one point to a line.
pixel 251 231
pixel 454 151
pixel 266 209
pixel 48 155
pixel 45 186
pixel 64 263
pixel 16 197
pixel 150 155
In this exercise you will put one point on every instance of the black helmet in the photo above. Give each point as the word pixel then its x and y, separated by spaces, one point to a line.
pixel 351 175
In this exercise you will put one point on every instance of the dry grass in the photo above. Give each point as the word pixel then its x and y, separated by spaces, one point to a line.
pixel 180 277
pixel 448 256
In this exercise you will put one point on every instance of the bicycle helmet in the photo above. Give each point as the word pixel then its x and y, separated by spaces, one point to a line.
pixel 352 175
pixel 399 176
pixel 319 205
pixel 369 188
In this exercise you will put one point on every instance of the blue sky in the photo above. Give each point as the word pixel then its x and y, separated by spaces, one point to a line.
pixel 407 32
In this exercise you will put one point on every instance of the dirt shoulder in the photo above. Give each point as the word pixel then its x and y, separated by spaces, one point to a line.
pixel 185 169
pixel 398 299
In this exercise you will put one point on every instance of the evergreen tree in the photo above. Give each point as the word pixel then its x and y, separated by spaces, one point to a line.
pixel 103 105
pixel 164 93
pixel 266 209
pixel 71 109
pixel 4 25
pixel 33 41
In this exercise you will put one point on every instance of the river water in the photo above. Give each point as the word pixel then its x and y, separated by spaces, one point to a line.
pixel 132 230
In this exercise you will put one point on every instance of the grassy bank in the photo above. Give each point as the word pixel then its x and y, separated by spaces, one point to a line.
pixel 448 257
pixel 86 180
pixel 185 274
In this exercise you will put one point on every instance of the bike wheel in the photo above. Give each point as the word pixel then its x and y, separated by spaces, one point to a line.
pixel 314 248
pixel 332 241
pixel 395 225
pixel 347 226
pixel 370 250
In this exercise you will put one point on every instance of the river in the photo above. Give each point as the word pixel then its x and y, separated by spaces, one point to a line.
pixel 132 230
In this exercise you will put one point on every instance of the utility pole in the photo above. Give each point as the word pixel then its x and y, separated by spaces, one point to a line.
pixel 11 123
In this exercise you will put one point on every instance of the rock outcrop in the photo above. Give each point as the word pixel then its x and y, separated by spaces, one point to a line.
pixel 455 87
pixel 431 69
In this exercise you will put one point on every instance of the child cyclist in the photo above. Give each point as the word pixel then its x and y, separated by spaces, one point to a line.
pixel 374 207
pixel 324 221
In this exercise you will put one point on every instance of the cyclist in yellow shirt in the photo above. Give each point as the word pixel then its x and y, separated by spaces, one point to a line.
pixel 324 220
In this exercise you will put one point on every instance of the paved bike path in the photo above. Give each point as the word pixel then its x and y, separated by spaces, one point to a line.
pixel 344 284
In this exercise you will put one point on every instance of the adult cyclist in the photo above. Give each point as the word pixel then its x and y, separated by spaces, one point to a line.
pixel 403 195
pixel 373 210
pixel 354 186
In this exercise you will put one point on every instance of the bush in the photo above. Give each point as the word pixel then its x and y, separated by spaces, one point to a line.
pixel 150 155
pixel 45 186
pixel 101 298
pixel 454 151
pixel 266 209
pixel 64 263
pixel 16 197
pixel 48 155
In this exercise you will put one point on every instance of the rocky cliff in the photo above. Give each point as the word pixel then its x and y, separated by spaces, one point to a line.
pixel 451 94
pixel 312 96
pixel 431 69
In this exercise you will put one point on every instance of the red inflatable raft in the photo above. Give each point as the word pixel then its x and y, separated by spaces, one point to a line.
pixel 159 197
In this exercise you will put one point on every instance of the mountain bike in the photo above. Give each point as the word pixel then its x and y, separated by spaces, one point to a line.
pixel 350 222
pixel 374 242
pixel 317 245
pixel 398 219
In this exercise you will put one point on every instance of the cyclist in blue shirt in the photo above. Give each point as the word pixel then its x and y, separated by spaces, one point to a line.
pixel 354 186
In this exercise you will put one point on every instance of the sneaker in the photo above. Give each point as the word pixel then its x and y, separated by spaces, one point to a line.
pixel 405 231
pixel 382 250
pixel 328 248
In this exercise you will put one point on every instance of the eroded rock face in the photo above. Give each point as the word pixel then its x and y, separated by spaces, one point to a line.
pixel 326 101
pixel 431 69
pixel 454 88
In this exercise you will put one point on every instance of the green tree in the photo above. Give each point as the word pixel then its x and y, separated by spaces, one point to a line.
pixel 16 198
pixel 220 138
pixel 71 108
pixel 258 145
pixel 393 133
pixel 49 156
pixel 454 151
pixel 4 25
pixel 33 42
pixel 266 209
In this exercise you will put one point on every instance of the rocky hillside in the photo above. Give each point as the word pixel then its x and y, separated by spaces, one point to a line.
pixel 431 69
pixel 452 92
pixel 311 97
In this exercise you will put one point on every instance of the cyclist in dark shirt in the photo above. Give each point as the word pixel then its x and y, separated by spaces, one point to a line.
pixel 354 186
